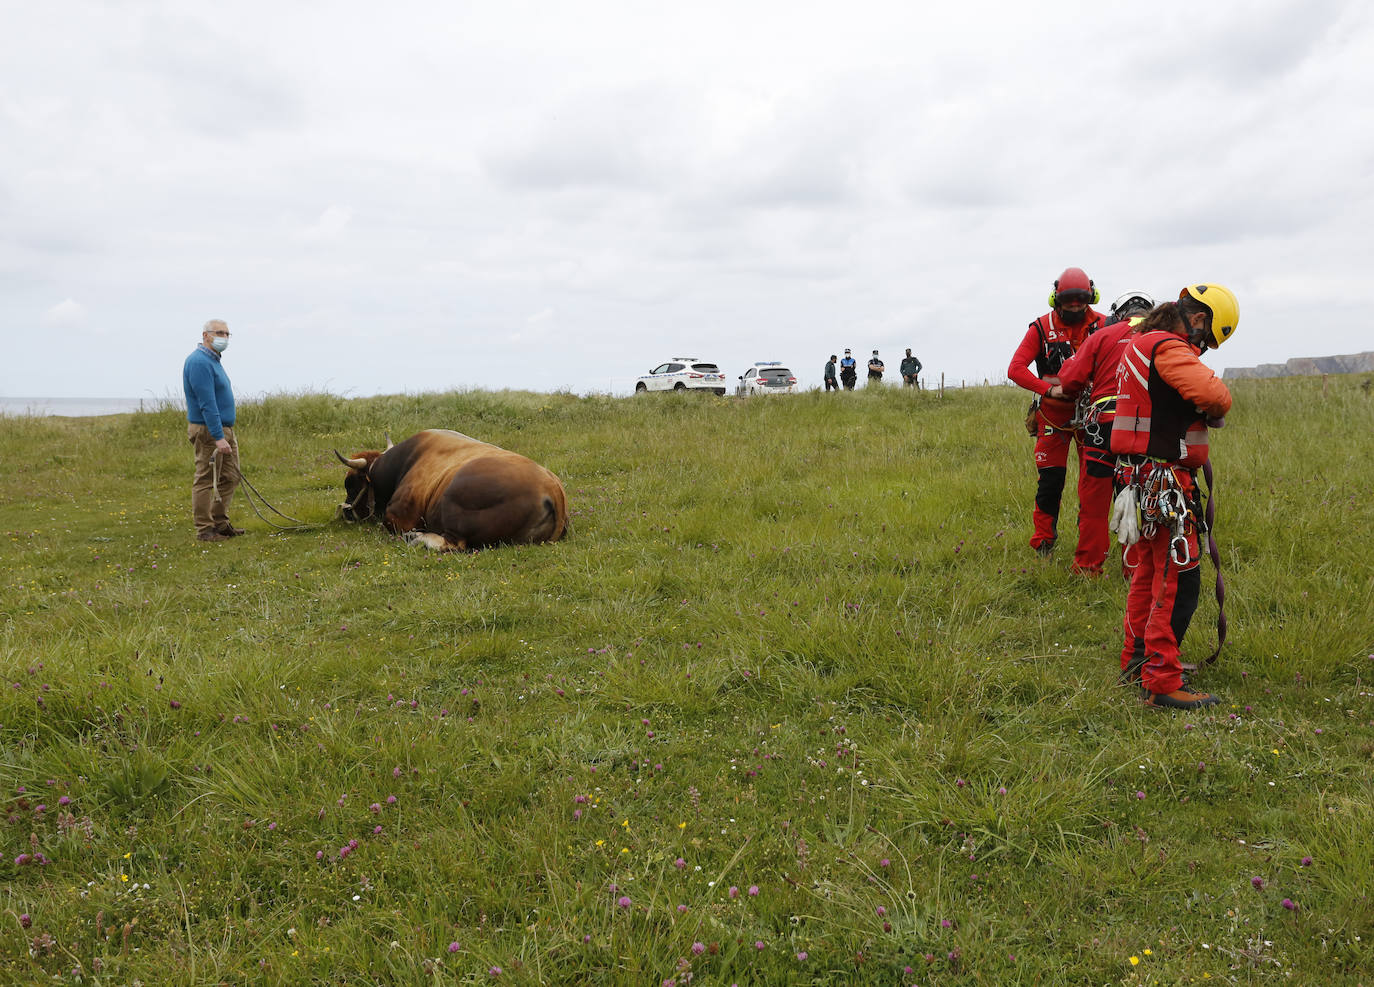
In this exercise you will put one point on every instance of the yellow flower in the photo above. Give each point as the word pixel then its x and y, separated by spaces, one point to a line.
pixel 124 877
pixel 1135 961
pixel 1149 953
pixel 625 823
pixel 682 825
pixel 128 855
pixel 600 842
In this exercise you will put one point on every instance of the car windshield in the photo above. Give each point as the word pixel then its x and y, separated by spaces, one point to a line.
pixel 706 368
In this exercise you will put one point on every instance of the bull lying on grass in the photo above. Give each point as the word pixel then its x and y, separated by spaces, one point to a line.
pixel 453 493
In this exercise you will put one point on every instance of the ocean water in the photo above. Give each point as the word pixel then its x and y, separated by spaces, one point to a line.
pixel 76 407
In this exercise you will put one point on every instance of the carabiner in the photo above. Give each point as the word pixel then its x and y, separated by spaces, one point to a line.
pixel 1178 550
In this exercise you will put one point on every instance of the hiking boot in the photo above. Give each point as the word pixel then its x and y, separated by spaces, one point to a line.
pixel 1044 549
pixel 212 536
pixel 1178 699
pixel 230 531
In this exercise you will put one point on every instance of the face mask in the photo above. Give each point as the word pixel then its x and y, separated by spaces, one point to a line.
pixel 219 344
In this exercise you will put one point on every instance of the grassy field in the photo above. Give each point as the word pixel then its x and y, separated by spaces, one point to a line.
pixel 794 704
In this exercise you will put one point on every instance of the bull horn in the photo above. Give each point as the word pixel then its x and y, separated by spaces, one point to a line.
pixel 353 464
pixel 389 443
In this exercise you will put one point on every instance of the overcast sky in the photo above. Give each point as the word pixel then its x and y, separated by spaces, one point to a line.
pixel 560 195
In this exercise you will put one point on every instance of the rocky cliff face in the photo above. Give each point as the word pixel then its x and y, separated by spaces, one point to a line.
pixel 1355 363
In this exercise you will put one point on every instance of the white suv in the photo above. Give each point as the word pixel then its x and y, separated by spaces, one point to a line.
pixel 767 377
pixel 683 373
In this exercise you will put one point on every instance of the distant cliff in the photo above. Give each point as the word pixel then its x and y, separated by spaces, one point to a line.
pixel 1355 363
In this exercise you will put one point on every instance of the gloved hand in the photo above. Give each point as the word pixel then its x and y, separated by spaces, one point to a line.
pixel 1125 519
pixel 1219 421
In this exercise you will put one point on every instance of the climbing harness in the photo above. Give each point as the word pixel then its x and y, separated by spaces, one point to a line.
pixel 1089 418
pixel 1151 495
pixel 1162 502
pixel 1151 491
pixel 1081 407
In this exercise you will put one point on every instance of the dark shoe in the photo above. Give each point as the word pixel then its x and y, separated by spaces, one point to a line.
pixel 1130 675
pixel 1044 549
pixel 212 536
pixel 231 531
pixel 1178 699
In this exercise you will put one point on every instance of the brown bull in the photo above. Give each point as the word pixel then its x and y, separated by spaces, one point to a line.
pixel 453 493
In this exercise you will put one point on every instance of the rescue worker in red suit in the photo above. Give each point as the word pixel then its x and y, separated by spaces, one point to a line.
pixel 1166 399
pixel 1050 340
pixel 1093 368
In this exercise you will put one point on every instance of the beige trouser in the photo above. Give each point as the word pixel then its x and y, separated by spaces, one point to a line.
pixel 211 514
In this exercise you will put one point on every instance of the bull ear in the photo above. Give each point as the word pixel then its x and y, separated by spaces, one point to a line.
pixel 353 464
pixel 389 443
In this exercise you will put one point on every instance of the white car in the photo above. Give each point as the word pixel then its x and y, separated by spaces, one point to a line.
pixel 683 373
pixel 767 377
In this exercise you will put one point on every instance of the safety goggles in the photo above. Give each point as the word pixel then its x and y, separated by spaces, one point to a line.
pixel 1075 297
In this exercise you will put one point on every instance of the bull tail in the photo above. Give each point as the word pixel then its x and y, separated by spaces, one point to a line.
pixel 550 522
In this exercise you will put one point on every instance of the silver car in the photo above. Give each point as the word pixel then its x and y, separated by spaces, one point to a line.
pixel 767 377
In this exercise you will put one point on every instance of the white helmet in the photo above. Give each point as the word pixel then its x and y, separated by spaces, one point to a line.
pixel 1137 301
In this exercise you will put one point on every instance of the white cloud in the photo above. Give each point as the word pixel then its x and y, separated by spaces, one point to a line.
pixel 330 223
pixel 66 314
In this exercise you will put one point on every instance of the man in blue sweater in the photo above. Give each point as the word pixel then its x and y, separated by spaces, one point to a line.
pixel 210 429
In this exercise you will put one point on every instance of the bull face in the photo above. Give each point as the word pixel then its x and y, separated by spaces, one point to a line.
pixel 360 500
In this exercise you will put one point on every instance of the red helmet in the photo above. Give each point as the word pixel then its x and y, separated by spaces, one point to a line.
pixel 1074 280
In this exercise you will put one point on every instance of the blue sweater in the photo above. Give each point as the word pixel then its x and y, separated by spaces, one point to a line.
pixel 209 398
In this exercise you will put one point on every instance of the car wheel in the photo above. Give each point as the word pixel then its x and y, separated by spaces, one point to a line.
pixel 679 386
pixel 640 387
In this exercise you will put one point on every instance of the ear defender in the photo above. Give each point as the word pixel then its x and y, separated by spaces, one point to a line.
pixel 1054 295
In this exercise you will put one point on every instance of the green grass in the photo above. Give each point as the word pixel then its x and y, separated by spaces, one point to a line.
pixel 797 644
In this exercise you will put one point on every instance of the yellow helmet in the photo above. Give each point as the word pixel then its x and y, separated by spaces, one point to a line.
pixel 1221 302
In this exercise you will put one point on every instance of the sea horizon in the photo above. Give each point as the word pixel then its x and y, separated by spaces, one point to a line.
pixel 44 407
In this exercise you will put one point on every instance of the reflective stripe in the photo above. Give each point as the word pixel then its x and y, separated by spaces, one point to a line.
pixel 1127 362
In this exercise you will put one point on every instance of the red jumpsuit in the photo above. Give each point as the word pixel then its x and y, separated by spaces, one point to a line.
pixel 1095 363
pixel 1165 393
pixel 1048 343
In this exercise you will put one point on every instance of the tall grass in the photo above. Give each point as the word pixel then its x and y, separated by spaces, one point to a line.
pixel 794 703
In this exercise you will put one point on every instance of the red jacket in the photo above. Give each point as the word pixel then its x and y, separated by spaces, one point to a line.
pixel 1047 344
pixel 1164 393
pixel 1096 361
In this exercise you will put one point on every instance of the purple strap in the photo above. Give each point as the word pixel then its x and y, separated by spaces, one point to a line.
pixel 1215 554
